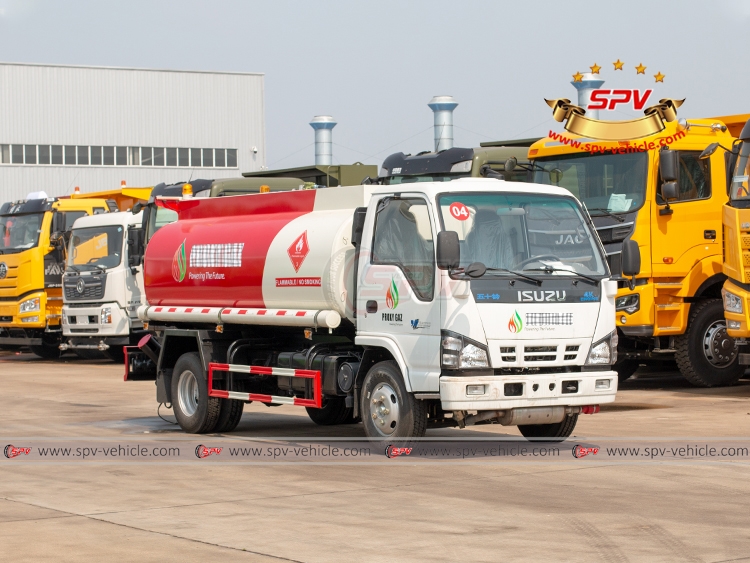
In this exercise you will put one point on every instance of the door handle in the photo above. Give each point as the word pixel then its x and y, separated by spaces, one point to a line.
pixel 709 234
pixel 372 307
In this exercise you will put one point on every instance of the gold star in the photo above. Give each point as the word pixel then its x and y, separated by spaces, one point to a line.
pixel 578 77
pixel 618 64
pixel 659 77
pixel 641 69
pixel 595 69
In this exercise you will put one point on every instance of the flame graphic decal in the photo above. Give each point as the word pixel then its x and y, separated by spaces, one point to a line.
pixel 515 324
pixel 179 263
pixel 391 296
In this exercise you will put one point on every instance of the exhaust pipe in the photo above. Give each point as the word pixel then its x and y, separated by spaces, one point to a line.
pixel 149 346
pixel 523 415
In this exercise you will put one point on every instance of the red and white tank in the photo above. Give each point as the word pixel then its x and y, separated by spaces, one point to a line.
pixel 262 254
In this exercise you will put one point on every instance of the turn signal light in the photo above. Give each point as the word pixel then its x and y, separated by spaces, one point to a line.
pixel 668 259
pixel 265 189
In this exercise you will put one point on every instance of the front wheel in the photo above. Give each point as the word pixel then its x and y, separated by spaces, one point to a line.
pixel 194 410
pixel 556 432
pixel 387 409
pixel 706 355
pixel 49 349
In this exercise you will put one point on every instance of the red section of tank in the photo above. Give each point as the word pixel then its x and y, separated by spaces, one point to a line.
pixel 252 220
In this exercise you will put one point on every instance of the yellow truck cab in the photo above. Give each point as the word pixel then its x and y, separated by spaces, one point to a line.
pixel 736 220
pixel 33 235
pixel 659 193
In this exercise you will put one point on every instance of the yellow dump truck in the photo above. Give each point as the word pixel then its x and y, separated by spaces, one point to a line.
pixel 736 221
pixel 33 238
pixel 658 192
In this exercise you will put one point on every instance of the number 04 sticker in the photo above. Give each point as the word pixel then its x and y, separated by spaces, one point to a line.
pixel 459 211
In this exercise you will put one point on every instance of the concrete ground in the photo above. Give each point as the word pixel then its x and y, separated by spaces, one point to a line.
pixel 395 510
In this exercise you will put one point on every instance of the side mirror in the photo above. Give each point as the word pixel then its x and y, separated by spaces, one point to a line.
pixel 448 250
pixel 555 175
pixel 135 247
pixel 669 191
pixel 56 238
pixel 58 222
pixel 510 164
pixel 631 260
pixel 358 225
pixel 708 151
pixel 668 165
pixel 137 208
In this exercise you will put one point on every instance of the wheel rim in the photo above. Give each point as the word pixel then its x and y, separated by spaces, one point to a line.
pixel 719 348
pixel 384 409
pixel 187 393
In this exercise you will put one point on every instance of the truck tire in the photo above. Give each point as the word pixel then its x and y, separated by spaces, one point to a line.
pixel 116 354
pixel 625 369
pixel 706 355
pixel 230 413
pixel 333 411
pixel 49 349
pixel 388 410
pixel 556 432
pixel 194 410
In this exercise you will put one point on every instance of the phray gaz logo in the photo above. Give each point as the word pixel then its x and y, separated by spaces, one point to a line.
pixel 515 324
pixel 179 263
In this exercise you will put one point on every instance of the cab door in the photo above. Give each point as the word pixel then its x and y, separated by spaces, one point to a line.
pixel 398 286
pixel 693 230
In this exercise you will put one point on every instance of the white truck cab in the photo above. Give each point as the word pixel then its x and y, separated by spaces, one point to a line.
pixel 103 284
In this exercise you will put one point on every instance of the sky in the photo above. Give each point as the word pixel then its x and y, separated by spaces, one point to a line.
pixel 374 66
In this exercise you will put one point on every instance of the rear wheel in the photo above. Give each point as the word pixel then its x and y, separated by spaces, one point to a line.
pixel 556 432
pixel 388 410
pixel 334 411
pixel 706 355
pixel 194 410
pixel 230 414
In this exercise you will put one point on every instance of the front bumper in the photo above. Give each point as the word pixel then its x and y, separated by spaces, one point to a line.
pixel 11 316
pixel 85 322
pixel 544 390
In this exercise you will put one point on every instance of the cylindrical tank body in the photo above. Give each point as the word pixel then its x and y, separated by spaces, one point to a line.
pixel 276 251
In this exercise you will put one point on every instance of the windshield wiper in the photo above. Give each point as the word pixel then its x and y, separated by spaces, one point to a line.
pixel 550 269
pixel 74 268
pixel 606 212
pixel 537 281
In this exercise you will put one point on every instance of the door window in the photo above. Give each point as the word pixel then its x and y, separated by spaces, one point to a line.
pixel 694 178
pixel 403 238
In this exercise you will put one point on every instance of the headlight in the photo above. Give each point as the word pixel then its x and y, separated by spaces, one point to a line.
pixel 29 305
pixel 628 303
pixel 604 351
pixel 463 166
pixel 105 317
pixel 459 352
pixel 732 302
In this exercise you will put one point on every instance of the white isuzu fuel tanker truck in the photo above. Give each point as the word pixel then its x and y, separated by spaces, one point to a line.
pixel 400 306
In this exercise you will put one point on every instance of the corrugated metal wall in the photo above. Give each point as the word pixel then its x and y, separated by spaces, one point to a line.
pixel 60 105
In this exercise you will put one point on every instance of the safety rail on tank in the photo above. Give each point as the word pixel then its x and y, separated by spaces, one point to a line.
pixel 315 402
pixel 248 316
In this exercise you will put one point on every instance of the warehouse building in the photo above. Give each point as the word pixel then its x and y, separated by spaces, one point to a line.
pixel 94 127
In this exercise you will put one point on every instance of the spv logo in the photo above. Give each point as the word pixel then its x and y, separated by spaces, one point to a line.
pixel 395 451
pixel 580 451
pixel 12 451
pixel 202 451
pixel 610 99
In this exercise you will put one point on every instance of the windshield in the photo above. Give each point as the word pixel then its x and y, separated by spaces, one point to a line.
pixel 614 183
pixel 740 188
pixel 95 247
pixel 522 232
pixel 158 217
pixel 19 232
